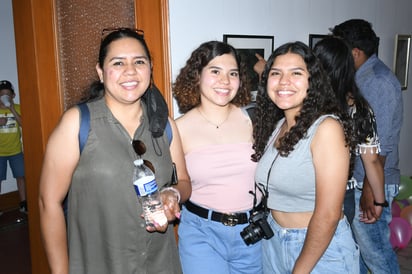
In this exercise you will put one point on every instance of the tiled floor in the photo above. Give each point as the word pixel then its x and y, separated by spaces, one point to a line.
pixel 15 253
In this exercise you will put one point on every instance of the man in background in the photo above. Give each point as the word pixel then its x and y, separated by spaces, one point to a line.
pixel 382 90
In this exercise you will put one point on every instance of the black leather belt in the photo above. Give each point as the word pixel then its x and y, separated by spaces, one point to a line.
pixel 226 219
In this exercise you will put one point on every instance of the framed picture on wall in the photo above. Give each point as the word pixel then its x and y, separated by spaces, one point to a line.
pixel 247 46
pixel 314 38
pixel 401 58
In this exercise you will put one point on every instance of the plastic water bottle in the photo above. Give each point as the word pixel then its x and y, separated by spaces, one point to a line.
pixel 144 182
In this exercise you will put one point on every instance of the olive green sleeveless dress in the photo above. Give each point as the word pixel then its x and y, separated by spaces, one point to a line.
pixel 106 232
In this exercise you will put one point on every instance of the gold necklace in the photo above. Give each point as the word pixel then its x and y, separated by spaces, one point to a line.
pixel 210 122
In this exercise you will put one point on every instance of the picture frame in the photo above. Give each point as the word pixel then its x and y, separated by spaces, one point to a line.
pixel 247 46
pixel 314 38
pixel 401 58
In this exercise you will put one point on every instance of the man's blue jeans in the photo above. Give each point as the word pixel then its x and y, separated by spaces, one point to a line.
pixel 377 253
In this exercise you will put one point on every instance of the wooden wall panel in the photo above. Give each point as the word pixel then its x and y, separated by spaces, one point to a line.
pixel 40 101
pixel 152 16
pixel 79 24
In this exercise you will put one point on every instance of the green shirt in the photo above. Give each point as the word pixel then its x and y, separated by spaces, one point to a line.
pixel 10 133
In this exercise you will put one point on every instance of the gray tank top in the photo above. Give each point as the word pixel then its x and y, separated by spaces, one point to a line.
pixel 106 232
pixel 291 181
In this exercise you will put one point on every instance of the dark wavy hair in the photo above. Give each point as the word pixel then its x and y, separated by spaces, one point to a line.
pixel 186 87
pixel 359 34
pixel 320 100
pixel 337 60
pixel 96 89
pixel 336 57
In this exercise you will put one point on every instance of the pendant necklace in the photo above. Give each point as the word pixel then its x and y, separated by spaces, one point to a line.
pixel 210 122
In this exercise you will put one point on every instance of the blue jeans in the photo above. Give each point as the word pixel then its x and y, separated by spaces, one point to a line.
pixel 206 247
pixel 16 164
pixel 377 253
pixel 281 251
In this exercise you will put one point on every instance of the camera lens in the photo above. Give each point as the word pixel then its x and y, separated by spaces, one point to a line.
pixel 251 234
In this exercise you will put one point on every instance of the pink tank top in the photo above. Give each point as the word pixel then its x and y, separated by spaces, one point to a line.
pixel 222 176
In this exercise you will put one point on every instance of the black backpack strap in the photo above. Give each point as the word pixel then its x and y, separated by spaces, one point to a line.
pixel 83 135
pixel 84 125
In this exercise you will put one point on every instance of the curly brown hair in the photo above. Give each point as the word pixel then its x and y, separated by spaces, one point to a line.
pixel 186 87
pixel 320 100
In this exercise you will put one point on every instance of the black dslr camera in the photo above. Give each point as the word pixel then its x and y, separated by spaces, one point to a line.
pixel 258 228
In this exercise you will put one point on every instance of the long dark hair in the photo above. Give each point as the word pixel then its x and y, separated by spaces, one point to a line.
pixel 337 60
pixel 320 100
pixel 186 87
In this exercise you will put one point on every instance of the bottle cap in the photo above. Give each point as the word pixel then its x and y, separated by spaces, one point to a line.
pixel 138 162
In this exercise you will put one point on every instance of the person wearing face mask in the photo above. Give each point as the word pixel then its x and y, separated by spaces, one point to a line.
pixel 11 148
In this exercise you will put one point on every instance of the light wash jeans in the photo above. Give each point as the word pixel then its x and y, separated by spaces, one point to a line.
pixel 281 251
pixel 377 253
pixel 209 247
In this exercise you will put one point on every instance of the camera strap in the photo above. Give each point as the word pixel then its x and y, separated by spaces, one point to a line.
pixel 265 191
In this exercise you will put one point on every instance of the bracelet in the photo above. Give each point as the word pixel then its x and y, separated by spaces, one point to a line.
pixel 174 190
pixel 384 204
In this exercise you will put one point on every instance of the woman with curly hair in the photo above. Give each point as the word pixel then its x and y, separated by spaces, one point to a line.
pixel 337 60
pixel 302 143
pixel 216 134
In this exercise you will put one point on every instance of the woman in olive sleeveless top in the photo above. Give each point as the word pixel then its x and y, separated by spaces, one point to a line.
pixel 105 229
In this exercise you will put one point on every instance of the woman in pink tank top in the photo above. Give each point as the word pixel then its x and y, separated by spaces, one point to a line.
pixel 216 134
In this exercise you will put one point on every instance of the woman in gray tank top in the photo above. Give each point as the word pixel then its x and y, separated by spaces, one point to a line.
pixel 302 143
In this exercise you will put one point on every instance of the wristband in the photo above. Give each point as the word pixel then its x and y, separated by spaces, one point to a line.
pixel 174 190
pixel 384 204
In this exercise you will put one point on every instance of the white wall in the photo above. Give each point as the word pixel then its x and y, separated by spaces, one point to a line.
pixel 8 68
pixel 195 21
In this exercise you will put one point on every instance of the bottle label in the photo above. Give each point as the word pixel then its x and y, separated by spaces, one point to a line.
pixel 145 186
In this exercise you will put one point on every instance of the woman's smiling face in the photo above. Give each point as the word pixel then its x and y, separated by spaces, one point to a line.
pixel 219 81
pixel 126 70
pixel 288 82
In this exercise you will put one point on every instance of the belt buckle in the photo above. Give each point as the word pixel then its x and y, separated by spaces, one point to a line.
pixel 229 219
